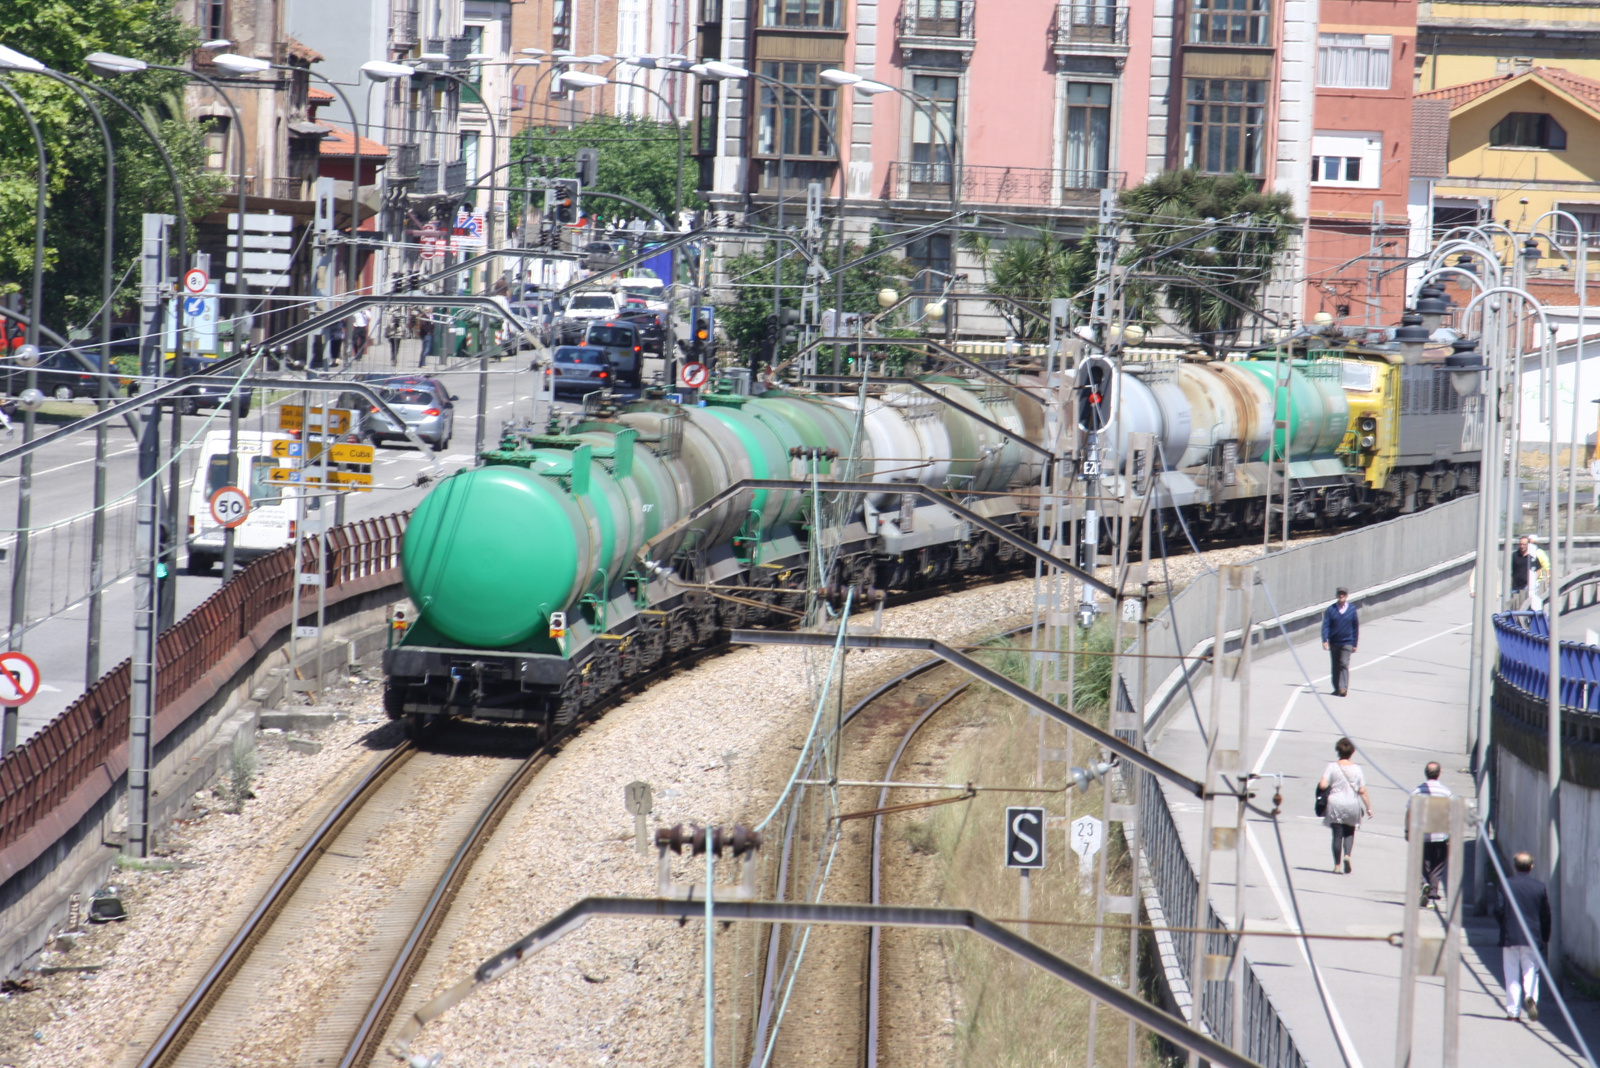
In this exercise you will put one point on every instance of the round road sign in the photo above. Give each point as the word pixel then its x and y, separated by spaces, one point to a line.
pixel 230 506
pixel 694 375
pixel 19 679
pixel 195 281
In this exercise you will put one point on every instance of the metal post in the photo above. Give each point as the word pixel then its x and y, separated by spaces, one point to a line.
pixel 1133 828
pixel 1489 577
pixel 1241 827
pixel 1407 1001
pixel 1452 944
pixel 233 479
pixel 1552 819
pixel 483 392
pixel 1197 961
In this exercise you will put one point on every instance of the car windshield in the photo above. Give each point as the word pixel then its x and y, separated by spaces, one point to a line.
pixel 262 491
pixel 573 354
pixel 611 335
pixel 408 396
pixel 1360 377
pixel 594 300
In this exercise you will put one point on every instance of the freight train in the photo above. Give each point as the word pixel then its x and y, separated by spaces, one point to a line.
pixel 568 563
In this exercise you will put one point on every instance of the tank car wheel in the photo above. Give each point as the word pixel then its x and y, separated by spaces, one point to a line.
pixel 415 723
pixel 569 702
pixel 394 699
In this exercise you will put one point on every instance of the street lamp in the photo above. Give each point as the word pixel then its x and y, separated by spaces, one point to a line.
pixel 1465 366
pixel 1432 306
pixel 239 65
pixel 887 298
pixel 1412 336
pixel 1530 254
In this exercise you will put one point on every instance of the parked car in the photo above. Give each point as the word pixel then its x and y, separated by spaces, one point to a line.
pixel 578 369
pixel 620 342
pixel 423 403
pixel 60 375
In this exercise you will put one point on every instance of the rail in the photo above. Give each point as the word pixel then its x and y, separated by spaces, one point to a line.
pixel 85 739
pixel 1081 26
pixel 937 18
pixel 978 184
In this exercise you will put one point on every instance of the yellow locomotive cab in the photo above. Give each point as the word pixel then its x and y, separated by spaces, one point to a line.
pixel 1372 440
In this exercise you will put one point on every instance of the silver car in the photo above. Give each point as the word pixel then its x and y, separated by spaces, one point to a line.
pixel 426 410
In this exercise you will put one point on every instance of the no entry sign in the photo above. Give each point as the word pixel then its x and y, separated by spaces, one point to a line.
pixel 19 679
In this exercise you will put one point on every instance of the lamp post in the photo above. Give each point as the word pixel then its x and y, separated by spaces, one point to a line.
pixel 19 574
pixel 1581 284
pixel 578 79
pixel 937 120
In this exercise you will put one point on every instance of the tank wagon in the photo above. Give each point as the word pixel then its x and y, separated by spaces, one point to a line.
pixel 569 563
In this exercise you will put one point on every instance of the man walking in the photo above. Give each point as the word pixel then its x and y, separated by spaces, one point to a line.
pixel 1341 632
pixel 1436 845
pixel 1527 563
pixel 1519 962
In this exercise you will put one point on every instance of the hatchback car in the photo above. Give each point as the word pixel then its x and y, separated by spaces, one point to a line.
pixel 60 375
pixel 621 344
pixel 423 406
pixel 652 324
pixel 580 370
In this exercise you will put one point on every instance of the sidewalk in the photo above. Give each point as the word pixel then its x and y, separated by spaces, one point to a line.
pixel 1408 689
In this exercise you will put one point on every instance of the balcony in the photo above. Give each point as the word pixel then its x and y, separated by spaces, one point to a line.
pixel 404 30
pixel 406 162
pixel 1042 187
pixel 273 188
pixel 1083 28
pixel 937 24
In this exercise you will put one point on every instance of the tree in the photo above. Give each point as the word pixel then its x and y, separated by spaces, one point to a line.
pixel 60 33
pixel 1212 242
pixel 1031 271
pixel 638 159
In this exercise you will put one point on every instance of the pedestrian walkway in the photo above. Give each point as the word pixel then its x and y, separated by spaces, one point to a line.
pixel 1407 706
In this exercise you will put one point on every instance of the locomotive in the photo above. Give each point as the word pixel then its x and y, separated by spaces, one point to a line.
pixel 572 561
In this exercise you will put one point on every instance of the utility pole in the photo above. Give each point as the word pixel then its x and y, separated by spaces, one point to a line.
pixel 1431 956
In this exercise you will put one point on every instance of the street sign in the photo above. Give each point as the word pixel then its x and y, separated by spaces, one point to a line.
pixel 694 375
pixel 344 453
pixel 340 453
pixel 293 476
pixel 636 796
pixel 194 307
pixel 19 679
pixel 294 416
pixel 195 281
pixel 1024 837
pixel 230 506
pixel 1086 836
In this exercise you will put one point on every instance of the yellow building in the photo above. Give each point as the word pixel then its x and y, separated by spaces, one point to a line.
pixel 1469 42
pixel 1521 145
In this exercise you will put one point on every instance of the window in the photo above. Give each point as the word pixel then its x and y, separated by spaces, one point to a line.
pixel 810 14
pixel 796 109
pixel 1223 124
pixel 932 127
pixel 1527 129
pixel 262 489
pixel 214 19
pixel 1352 159
pixel 1088 134
pixel 561 24
pixel 1588 217
pixel 705 131
pixel 469 153
pixel 217 146
pixel 1354 60
pixel 1237 22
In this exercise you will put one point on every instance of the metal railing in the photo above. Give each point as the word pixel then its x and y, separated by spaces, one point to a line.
pixel 406 162
pixel 404 28
pixel 1093 26
pixel 937 18
pixel 40 774
pixel 1041 186
pixel 274 188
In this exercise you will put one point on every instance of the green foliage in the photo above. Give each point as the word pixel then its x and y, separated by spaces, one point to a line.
pixel 751 276
pixel 60 33
pixel 1031 271
pixel 1211 284
pixel 638 159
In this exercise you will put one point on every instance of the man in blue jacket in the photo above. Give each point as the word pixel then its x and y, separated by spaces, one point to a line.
pixel 1341 631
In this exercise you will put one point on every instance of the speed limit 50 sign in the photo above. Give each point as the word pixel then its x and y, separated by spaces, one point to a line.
pixel 230 506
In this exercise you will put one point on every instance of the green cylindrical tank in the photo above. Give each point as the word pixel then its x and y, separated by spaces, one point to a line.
pixel 491 552
pixel 769 458
pixel 820 424
pixel 1316 417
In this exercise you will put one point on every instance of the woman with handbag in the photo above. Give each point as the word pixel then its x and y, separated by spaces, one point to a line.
pixel 1341 797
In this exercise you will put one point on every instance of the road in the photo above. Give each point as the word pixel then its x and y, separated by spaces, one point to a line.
pixel 62 494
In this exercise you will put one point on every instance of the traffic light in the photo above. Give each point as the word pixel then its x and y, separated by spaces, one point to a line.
pixel 588 165
pixel 566 191
pixel 1095 380
pixel 703 336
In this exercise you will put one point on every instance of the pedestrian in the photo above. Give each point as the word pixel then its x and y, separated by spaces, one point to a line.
pixel 335 334
pixel 425 332
pixel 1341 632
pixel 1528 564
pixel 1435 845
pixel 1519 962
pixel 360 325
pixel 395 331
pixel 1346 798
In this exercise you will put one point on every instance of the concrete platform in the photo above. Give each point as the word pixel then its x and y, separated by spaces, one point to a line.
pixel 1407 705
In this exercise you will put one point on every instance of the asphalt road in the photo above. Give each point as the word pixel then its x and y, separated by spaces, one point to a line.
pixel 63 488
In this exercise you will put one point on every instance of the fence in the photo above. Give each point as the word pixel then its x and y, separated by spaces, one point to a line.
pixel 41 774
pixel 61 562
pixel 1038 186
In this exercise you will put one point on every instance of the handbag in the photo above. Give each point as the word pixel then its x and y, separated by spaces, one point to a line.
pixel 1322 800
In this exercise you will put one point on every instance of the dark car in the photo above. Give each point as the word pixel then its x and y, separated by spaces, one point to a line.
pixel 652 324
pixel 201 395
pixel 60 375
pixel 577 369
pixel 622 345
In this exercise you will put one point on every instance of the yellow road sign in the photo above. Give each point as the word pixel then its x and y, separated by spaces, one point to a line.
pixel 352 454
pixel 294 416
pixel 307 451
pixel 350 478
pixel 345 480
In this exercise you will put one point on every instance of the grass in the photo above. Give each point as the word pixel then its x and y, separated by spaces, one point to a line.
pixel 1012 1014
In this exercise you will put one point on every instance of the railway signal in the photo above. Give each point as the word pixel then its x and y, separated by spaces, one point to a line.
pixel 1095 379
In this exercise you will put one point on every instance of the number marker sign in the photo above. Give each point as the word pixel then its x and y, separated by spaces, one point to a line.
pixel 19 679
pixel 694 375
pixel 230 506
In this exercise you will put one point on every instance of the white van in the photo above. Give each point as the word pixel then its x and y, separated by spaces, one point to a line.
pixel 271 522
pixel 653 290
